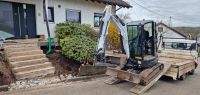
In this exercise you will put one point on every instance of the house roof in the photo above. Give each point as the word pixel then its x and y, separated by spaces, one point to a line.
pixel 180 33
pixel 120 3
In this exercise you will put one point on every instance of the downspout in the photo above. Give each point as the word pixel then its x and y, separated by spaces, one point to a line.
pixel 47 25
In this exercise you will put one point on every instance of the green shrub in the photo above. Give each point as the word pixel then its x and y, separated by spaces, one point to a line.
pixel 76 47
pixel 68 28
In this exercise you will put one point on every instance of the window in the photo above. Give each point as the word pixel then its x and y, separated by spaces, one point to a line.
pixel 50 14
pixel 133 38
pixel 160 29
pixel 97 18
pixel 132 32
pixel 73 16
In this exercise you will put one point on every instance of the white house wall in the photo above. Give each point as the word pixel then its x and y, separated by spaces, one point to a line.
pixel 87 9
pixel 168 33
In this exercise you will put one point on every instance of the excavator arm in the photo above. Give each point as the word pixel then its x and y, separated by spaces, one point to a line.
pixel 106 19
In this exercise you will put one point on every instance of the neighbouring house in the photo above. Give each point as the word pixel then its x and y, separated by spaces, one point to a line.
pixel 25 18
pixel 169 32
pixel 171 38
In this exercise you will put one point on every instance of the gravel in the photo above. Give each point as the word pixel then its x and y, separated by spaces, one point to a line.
pixel 39 82
pixel 23 84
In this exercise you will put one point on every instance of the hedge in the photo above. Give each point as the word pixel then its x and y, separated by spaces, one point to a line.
pixel 76 47
pixel 76 40
pixel 69 28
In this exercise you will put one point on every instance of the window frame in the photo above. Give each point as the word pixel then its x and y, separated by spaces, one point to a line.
pixel 160 29
pixel 52 14
pixel 98 15
pixel 74 10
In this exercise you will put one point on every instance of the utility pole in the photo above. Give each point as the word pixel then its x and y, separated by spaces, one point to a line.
pixel 170 21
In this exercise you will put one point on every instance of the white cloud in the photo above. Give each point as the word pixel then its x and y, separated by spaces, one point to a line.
pixel 187 12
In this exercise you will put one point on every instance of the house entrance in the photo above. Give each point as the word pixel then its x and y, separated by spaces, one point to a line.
pixel 17 20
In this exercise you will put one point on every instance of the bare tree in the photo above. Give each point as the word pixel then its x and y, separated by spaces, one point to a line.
pixel 124 17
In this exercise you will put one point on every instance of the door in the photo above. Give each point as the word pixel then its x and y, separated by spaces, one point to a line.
pixel 19 25
pixel 24 20
pixel 31 21
pixel 6 21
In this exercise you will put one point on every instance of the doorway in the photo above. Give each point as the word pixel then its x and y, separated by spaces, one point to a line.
pixel 17 20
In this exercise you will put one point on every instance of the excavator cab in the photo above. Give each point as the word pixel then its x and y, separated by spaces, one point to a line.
pixel 142 44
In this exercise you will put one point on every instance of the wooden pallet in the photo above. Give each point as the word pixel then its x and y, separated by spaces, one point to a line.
pixel 139 89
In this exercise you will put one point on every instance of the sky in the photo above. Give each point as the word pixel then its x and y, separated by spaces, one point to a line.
pixel 183 12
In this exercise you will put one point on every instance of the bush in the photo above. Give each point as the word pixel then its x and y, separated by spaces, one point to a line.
pixel 76 40
pixel 68 28
pixel 76 47
pixel 113 37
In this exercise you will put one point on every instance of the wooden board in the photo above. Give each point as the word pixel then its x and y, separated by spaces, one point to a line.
pixel 181 63
pixel 173 75
pixel 124 75
pixel 177 56
pixel 139 89
pixel 92 70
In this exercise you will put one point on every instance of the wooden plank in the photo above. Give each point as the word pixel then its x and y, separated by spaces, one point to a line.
pixel 186 70
pixel 92 70
pixel 172 69
pixel 139 89
pixel 171 60
pixel 186 65
pixel 150 74
pixel 124 75
pixel 176 56
pixel 3 88
pixel 173 75
pixel 184 62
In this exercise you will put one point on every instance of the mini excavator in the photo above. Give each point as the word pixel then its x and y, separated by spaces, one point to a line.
pixel 138 47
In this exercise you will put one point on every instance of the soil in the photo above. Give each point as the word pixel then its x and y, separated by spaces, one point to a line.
pixel 6 76
pixel 63 66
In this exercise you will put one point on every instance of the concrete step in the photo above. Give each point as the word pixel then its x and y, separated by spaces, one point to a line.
pixel 21 49
pixel 35 73
pixel 23 53
pixel 23 58
pixel 29 62
pixel 31 67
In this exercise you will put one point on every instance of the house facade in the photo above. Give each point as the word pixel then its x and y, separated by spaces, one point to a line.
pixel 25 18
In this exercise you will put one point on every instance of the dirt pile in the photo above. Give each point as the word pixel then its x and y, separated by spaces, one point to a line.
pixel 6 76
pixel 63 66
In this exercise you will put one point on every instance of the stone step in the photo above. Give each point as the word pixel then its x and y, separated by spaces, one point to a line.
pixel 29 62
pixel 23 53
pixel 21 49
pixel 28 57
pixel 31 67
pixel 34 73
pixel 19 45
